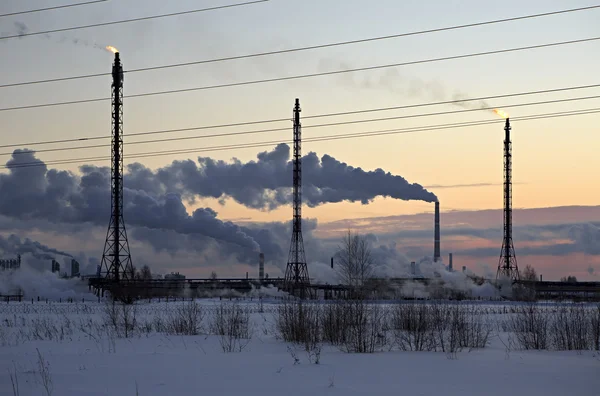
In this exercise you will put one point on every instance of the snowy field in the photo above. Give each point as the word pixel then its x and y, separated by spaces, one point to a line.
pixel 238 348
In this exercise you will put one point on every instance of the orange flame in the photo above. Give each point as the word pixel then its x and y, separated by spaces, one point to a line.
pixel 112 49
pixel 501 113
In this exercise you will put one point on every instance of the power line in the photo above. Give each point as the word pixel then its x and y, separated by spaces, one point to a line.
pixel 307 48
pixel 309 140
pixel 252 132
pixel 203 127
pixel 252 82
pixel 53 8
pixel 132 20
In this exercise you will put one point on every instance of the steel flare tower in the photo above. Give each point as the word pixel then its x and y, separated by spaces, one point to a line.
pixel 507 266
pixel 116 259
pixel 296 279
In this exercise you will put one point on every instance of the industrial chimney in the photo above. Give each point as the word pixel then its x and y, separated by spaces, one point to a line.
pixel 436 234
pixel 413 268
pixel 261 266
pixel 450 262
pixel 332 262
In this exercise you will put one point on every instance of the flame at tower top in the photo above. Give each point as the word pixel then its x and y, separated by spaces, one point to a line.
pixel 501 113
pixel 112 49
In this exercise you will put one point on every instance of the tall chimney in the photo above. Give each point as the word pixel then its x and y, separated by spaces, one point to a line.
pixel 261 266
pixel 413 268
pixel 332 262
pixel 436 236
pixel 450 262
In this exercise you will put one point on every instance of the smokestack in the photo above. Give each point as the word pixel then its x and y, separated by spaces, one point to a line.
pixel 436 234
pixel 413 268
pixel 450 262
pixel 464 268
pixel 261 266
pixel 332 262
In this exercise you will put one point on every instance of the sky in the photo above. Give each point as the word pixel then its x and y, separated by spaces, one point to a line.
pixel 554 159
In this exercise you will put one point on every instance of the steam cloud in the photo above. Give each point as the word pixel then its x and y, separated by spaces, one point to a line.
pixel 34 192
pixel 266 183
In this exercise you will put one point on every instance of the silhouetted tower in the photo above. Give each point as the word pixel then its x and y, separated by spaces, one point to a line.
pixel 296 273
pixel 507 266
pixel 116 260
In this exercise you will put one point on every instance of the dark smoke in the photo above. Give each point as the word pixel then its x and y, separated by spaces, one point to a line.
pixel 14 245
pixel 266 183
pixel 34 192
pixel 21 29
pixel 392 81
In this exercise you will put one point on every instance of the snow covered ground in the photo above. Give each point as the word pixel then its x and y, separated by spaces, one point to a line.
pixel 81 357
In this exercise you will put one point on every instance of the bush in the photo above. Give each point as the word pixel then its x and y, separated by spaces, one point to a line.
pixel 569 328
pixel 186 320
pixel 232 325
pixel 300 324
pixel 365 327
pixel 529 323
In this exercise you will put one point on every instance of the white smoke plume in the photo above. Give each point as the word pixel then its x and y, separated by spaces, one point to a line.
pixel 43 284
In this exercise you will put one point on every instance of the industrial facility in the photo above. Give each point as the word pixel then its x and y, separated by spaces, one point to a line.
pixel 115 274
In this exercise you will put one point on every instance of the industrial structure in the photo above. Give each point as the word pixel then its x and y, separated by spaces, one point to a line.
pixel 116 259
pixel 74 268
pixel 507 266
pixel 436 234
pixel 10 264
pixel 55 267
pixel 261 266
pixel 296 273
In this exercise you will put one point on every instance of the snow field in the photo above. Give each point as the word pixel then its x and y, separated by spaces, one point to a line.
pixel 98 349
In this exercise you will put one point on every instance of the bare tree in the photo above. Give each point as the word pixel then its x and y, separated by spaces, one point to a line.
pixel 213 275
pixel 529 273
pixel 145 273
pixel 569 279
pixel 355 261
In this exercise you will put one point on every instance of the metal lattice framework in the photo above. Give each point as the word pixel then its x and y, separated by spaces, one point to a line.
pixel 116 259
pixel 296 279
pixel 507 266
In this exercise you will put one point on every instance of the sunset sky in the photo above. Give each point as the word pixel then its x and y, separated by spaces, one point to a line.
pixel 555 163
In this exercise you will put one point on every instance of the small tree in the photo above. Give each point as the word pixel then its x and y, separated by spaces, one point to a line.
pixel 213 275
pixel 529 273
pixel 355 261
pixel 145 273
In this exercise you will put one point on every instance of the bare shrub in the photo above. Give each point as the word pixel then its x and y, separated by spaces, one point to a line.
pixel 412 327
pixel 14 380
pixel 595 328
pixel 232 325
pixel 300 324
pixel 186 320
pixel 333 323
pixel 365 327
pixel 529 324
pixel 43 370
pixel 569 328
pixel 121 318
pixel 438 326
